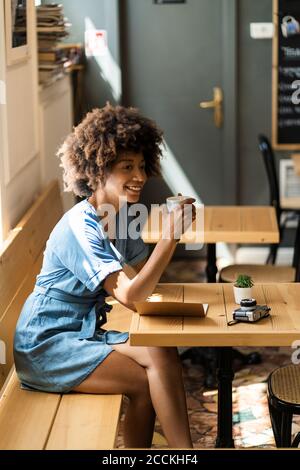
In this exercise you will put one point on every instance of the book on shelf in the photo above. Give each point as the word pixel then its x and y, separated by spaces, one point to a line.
pixel 51 65
pixel 45 22
pixel 62 64
pixel 50 38
pixel 47 45
pixel 50 55
pixel 52 29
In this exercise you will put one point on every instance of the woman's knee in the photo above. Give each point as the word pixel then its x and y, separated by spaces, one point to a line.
pixel 149 357
pixel 164 357
pixel 139 386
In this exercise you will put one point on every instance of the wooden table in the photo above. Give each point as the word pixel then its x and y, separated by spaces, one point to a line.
pixel 280 329
pixel 228 224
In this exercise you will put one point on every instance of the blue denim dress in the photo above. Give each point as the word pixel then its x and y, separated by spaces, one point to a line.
pixel 59 339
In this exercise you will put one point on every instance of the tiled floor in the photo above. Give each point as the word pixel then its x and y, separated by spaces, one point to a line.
pixel 252 428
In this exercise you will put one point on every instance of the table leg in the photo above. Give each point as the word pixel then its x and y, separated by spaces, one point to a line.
pixel 211 267
pixel 207 356
pixel 225 377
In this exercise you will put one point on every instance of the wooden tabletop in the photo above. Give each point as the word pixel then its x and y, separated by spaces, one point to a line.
pixel 229 224
pixel 280 329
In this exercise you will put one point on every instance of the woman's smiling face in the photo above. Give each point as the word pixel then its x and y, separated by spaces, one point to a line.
pixel 127 178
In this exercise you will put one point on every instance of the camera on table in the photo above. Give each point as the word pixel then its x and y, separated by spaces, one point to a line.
pixel 249 311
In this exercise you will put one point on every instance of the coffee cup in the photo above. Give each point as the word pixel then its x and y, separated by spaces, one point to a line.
pixel 174 201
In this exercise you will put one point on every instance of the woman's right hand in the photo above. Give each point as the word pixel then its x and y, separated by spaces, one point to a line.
pixel 179 219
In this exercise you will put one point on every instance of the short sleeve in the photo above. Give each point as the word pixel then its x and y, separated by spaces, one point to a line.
pixel 86 252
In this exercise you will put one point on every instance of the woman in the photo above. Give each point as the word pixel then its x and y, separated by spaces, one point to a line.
pixel 59 343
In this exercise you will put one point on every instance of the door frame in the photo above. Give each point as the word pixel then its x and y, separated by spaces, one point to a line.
pixel 230 87
pixel 229 72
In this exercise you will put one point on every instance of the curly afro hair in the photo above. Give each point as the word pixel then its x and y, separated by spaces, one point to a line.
pixel 89 152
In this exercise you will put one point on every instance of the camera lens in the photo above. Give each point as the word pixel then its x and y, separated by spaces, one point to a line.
pixel 248 303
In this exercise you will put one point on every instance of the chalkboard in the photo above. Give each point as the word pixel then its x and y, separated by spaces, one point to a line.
pixel 286 75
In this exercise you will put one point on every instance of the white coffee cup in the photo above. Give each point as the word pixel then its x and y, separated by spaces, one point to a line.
pixel 174 201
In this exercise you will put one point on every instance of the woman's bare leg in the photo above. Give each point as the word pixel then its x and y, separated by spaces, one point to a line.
pixel 164 373
pixel 120 374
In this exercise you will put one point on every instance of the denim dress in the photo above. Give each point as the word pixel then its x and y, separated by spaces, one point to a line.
pixel 59 339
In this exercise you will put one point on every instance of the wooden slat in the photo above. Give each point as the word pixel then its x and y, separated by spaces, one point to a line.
pixel 241 224
pixel 85 422
pixel 169 292
pixel 211 294
pixel 282 319
pixel 211 338
pixel 260 220
pixel 291 297
pixel 26 241
pixel 166 293
pixel 224 220
pixel 25 417
pixel 165 325
pixel 10 317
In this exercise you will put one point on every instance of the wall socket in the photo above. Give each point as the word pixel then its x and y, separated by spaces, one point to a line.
pixel 261 30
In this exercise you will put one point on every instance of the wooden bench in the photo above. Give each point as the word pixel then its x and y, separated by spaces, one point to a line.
pixel 38 420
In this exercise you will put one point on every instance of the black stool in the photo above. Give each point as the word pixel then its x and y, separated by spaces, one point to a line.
pixel 284 402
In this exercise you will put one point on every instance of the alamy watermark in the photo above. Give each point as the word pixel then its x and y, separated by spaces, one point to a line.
pixel 130 220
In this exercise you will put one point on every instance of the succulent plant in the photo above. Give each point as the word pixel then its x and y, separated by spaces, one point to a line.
pixel 243 280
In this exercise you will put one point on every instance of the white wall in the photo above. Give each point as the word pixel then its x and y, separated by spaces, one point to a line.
pixel 55 123
pixel 19 145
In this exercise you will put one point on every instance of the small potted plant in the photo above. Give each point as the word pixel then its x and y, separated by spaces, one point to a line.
pixel 242 288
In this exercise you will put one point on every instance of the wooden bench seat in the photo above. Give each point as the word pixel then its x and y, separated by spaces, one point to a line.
pixel 38 420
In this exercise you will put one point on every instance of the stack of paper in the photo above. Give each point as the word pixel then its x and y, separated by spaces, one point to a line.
pixel 52 28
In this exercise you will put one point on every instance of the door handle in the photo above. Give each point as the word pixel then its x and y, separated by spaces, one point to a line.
pixel 217 104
